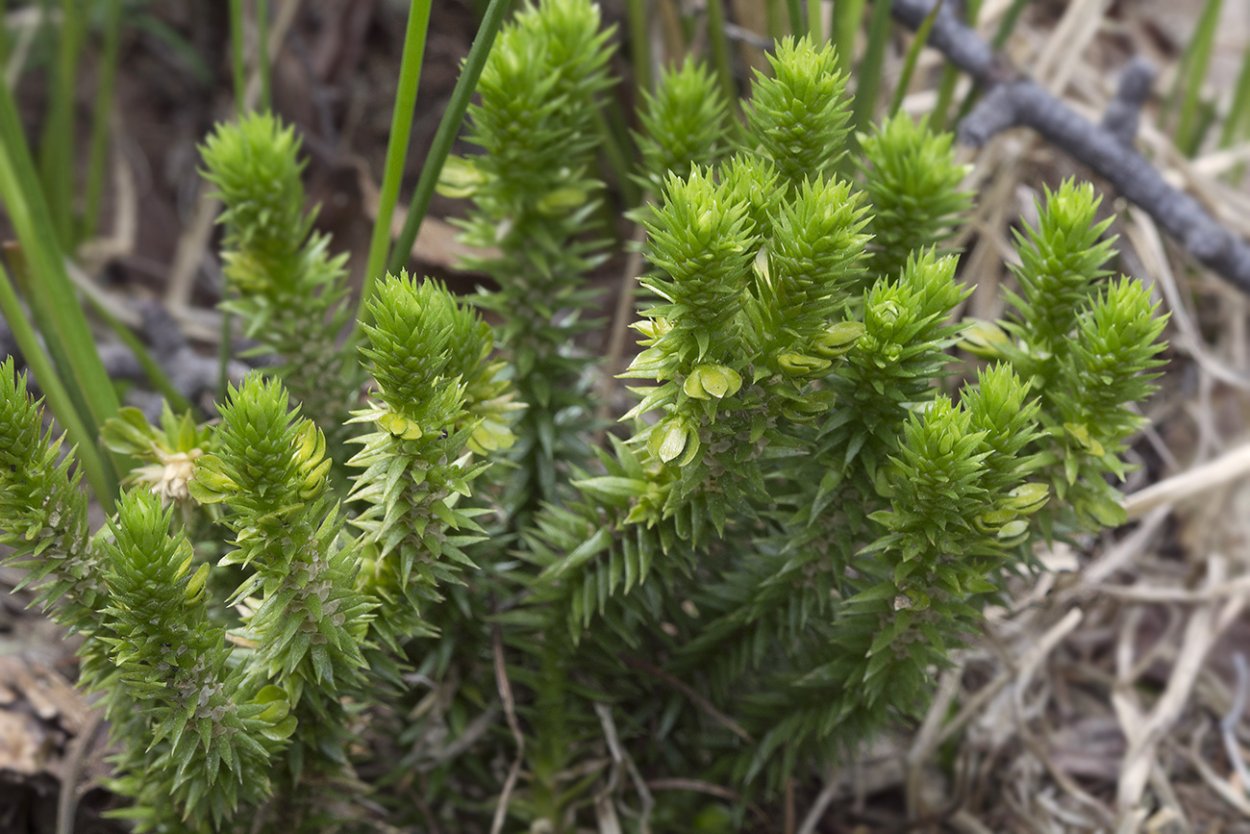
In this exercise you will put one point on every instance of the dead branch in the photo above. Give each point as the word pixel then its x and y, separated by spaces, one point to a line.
pixel 1014 100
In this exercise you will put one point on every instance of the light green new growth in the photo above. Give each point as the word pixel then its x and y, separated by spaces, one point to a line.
pixel 210 733
pixel 535 202
pixel 810 504
pixel 290 290
pixel 302 610
pixel 913 182
pixel 800 116
pixel 1088 347
pixel 685 121
pixel 439 402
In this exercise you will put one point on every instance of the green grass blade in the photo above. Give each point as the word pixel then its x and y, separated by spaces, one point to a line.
pixel 950 75
pixel 51 295
pixel 776 19
pixel 4 34
pixel 239 72
pixel 102 112
pixel 397 146
pixel 1238 112
pixel 797 25
pixel 237 65
pixel 262 54
pixel 238 61
pixel 99 474
pixel 913 54
pixel 719 43
pixel 814 27
pixel 1186 93
pixel 448 127
pixel 56 150
pixel 1008 24
pixel 848 16
pixel 639 42
pixel 869 75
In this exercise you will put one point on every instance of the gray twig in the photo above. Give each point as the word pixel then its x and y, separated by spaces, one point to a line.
pixel 193 374
pixel 509 710
pixel 1014 100
pixel 1124 112
pixel 1228 724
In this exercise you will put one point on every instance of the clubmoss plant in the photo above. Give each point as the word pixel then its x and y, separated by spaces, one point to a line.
pixel 503 624
pixel 804 521
pixel 301 609
pixel 685 121
pixel 227 722
pixel 440 404
pixel 209 730
pixel 536 205
pixel 912 181
pixel 289 289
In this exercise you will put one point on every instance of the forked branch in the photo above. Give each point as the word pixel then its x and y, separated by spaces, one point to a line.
pixel 1014 100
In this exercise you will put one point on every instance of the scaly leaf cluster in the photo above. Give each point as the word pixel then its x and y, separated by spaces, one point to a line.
pixel 913 183
pixel 535 205
pixel 799 116
pixel 43 509
pixel 303 611
pixel 1088 347
pixel 685 121
pixel 438 402
pixel 290 289
pixel 209 731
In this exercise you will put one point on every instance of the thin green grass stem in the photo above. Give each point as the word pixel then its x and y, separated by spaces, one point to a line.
pixel 56 150
pixel 639 42
pixel 797 25
pixel 237 64
pixel 262 54
pixel 1186 96
pixel 51 294
pixel 913 54
pixel 397 146
pixel 445 136
pixel 775 15
pixel 719 43
pixel 848 17
pixel 1008 24
pixel 239 69
pixel 869 75
pixel 1238 112
pixel 4 34
pixel 97 161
